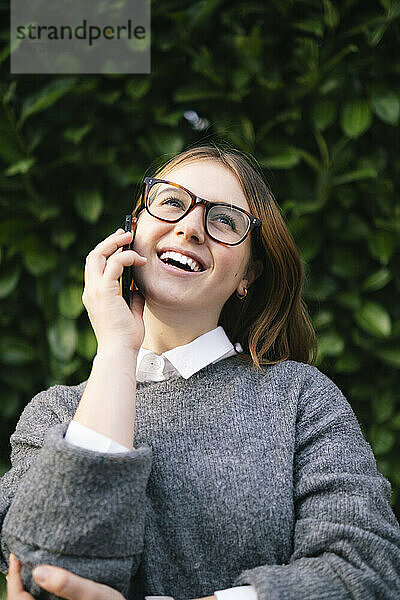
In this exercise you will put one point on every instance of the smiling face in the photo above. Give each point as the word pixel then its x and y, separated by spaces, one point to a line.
pixel 199 294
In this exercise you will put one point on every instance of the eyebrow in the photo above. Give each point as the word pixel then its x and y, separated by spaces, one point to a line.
pixel 172 187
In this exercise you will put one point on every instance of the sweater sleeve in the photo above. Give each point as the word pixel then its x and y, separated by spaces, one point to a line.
pixel 79 509
pixel 346 541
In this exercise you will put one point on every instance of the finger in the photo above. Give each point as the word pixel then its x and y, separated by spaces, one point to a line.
pixel 67 585
pixel 14 581
pixel 121 259
pixel 96 260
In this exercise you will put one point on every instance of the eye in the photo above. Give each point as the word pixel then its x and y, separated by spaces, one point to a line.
pixel 171 200
pixel 226 219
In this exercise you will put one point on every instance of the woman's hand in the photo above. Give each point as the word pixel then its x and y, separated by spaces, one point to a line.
pixel 115 325
pixel 60 582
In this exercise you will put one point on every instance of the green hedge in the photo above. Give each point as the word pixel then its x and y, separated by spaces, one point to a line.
pixel 310 88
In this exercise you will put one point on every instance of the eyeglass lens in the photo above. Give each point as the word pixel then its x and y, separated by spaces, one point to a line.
pixel 225 224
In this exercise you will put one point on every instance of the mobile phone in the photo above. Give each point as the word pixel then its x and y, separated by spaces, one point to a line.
pixel 126 281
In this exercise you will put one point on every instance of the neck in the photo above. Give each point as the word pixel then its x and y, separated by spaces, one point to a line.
pixel 166 329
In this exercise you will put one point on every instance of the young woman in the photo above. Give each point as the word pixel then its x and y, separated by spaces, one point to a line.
pixel 205 455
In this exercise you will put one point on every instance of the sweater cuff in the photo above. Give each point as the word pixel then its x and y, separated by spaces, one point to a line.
pixel 80 502
pixel 293 582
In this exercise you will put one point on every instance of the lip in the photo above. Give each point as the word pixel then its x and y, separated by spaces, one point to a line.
pixel 177 270
pixel 185 253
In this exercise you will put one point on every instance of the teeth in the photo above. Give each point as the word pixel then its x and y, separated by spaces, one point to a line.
pixel 194 265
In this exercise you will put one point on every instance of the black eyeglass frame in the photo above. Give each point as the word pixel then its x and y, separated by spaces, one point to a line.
pixel 150 181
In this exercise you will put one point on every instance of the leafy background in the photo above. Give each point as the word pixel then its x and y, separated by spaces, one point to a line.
pixel 311 88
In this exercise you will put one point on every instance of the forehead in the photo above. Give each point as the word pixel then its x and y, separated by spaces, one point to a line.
pixel 210 180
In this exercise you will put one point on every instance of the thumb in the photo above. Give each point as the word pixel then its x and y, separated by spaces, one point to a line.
pixel 67 585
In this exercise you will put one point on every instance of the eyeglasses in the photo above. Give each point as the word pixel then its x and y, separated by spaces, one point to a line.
pixel 223 222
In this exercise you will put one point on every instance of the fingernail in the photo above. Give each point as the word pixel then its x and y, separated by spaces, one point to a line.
pixel 41 573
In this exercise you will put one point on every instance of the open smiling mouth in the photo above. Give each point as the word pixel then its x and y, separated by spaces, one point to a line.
pixel 176 264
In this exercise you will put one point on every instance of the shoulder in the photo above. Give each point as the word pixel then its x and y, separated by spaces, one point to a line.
pixel 292 374
pixel 300 384
pixel 318 398
pixel 52 406
pixel 61 399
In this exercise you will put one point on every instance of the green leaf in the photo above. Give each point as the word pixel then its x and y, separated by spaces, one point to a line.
pixel 314 26
pixel 374 319
pixel 46 96
pixel 87 344
pixel 285 159
pixel 110 97
pixel 38 258
pixel 349 299
pixel 323 318
pixel 382 439
pixel 11 148
pixel 323 113
pixel 44 297
pixel 348 363
pixel 383 406
pixel 10 404
pixel 330 343
pixel 75 135
pixel 293 114
pixel 320 287
pixel 63 238
pixel 375 34
pixel 356 118
pixel 167 142
pixel 22 166
pixel 387 107
pixel 136 88
pixel 192 93
pixel 331 15
pixel 9 279
pixel 62 338
pixel 62 369
pixel 389 355
pixel 14 351
pixel 309 247
pixel 382 245
pixel 43 208
pixel 377 280
pixel 356 175
pixel 88 204
pixel 345 263
pixel 70 301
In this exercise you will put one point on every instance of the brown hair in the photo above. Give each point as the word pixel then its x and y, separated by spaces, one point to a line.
pixel 272 324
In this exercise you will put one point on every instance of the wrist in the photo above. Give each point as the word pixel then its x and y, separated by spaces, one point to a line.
pixel 117 354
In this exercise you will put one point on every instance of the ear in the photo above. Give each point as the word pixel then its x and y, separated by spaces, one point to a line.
pixel 254 271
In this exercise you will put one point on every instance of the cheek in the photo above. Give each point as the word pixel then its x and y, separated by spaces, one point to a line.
pixel 146 234
pixel 233 264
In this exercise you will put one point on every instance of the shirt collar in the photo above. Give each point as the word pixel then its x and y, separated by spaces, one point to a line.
pixel 191 357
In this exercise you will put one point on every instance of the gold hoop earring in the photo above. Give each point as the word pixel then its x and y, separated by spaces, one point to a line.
pixel 244 295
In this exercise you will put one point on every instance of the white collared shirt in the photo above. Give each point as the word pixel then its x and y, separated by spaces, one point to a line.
pixel 211 347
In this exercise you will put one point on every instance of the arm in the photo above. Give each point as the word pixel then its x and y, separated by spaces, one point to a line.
pixel 108 404
pixel 68 506
pixel 346 539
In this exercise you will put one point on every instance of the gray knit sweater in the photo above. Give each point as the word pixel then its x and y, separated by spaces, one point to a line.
pixel 237 477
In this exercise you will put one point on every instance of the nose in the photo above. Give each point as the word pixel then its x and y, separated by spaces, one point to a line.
pixel 192 225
